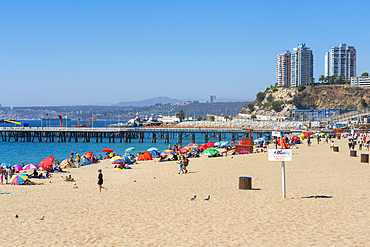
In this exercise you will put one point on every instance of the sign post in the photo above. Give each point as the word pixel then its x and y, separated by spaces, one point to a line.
pixel 283 178
pixel 281 155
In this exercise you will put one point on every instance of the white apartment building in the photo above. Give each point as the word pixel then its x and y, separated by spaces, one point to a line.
pixel 341 61
pixel 283 69
pixel 212 99
pixel 301 65
pixel 360 81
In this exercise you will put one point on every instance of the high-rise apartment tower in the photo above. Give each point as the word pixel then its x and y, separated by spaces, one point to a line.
pixel 301 65
pixel 341 60
pixel 283 69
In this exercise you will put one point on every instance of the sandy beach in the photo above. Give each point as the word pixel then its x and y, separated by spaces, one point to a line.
pixel 156 210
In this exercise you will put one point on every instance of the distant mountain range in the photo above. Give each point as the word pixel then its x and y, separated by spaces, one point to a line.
pixel 166 100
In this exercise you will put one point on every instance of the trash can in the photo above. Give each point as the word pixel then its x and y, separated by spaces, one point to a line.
pixel 353 153
pixel 336 149
pixel 245 183
pixel 364 158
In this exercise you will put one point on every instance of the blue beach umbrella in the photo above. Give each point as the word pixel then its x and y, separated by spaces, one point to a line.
pixel 151 149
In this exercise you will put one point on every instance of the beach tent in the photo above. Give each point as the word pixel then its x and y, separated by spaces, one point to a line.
pixel 154 153
pixel 145 156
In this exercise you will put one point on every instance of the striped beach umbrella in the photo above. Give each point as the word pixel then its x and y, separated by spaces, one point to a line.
pixel 30 167
pixel 16 179
pixel 129 149
pixel 168 152
pixel 18 168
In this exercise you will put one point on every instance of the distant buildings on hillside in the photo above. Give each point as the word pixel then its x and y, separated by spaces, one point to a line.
pixel 294 68
pixel 212 99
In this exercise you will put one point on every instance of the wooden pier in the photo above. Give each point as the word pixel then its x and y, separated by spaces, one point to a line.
pixel 53 134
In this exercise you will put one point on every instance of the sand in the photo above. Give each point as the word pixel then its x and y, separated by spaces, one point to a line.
pixel 156 210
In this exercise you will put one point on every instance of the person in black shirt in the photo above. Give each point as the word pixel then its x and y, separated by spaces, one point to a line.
pixel 100 181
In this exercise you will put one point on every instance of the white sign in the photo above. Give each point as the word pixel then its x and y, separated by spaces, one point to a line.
pixel 276 133
pixel 280 155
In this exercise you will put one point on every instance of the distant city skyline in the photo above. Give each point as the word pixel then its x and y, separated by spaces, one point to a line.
pixel 101 53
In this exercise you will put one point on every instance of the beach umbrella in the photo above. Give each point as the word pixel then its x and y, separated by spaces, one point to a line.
pixel 295 137
pixel 129 149
pixel 19 178
pixel 18 168
pixel 168 152
pixel 6 165
pixel 64 163
pixel 118 161
pixel 151 149
pixel 210 144
pixel 224 144
pixel 186 150
pixel 30 167
pixel 106 150
pixel 240 142
pixel 306 134
pixel 116 158
pixel 217 144
pixel 194 145
pixel 45 163
pixel 210 151
pixel 88 154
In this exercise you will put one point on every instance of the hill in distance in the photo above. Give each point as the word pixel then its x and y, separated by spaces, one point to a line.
pixel 149 102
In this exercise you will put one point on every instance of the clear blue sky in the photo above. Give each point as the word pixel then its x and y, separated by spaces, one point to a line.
pixel 102 52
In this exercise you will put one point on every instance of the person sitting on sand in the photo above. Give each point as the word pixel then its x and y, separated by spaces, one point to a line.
pixel 174 157
pixel 161 159
pixel 68 179
pixel 35 174
pixel 29 182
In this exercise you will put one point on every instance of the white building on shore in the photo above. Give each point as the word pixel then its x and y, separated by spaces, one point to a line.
pixel 360 81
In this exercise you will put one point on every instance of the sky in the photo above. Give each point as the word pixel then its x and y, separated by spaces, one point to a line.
pixel 105 52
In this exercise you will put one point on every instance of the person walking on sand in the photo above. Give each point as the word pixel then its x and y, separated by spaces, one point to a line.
pixel 308 141
pixel 100 181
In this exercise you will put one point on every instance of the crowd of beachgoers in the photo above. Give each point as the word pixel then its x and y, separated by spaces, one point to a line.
pixel 21 174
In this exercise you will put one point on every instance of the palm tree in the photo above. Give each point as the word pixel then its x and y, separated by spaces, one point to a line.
pixel 322 78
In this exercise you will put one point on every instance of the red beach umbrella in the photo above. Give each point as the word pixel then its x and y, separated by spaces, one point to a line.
pixel 239 142
pixel 306 134
pixel 88 154
pixel 295 137
pixel 106 150
pixel 210 144
pixel 45 163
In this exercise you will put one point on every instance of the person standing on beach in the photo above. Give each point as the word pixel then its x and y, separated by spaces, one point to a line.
pixel 308 141
pixel 100 181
